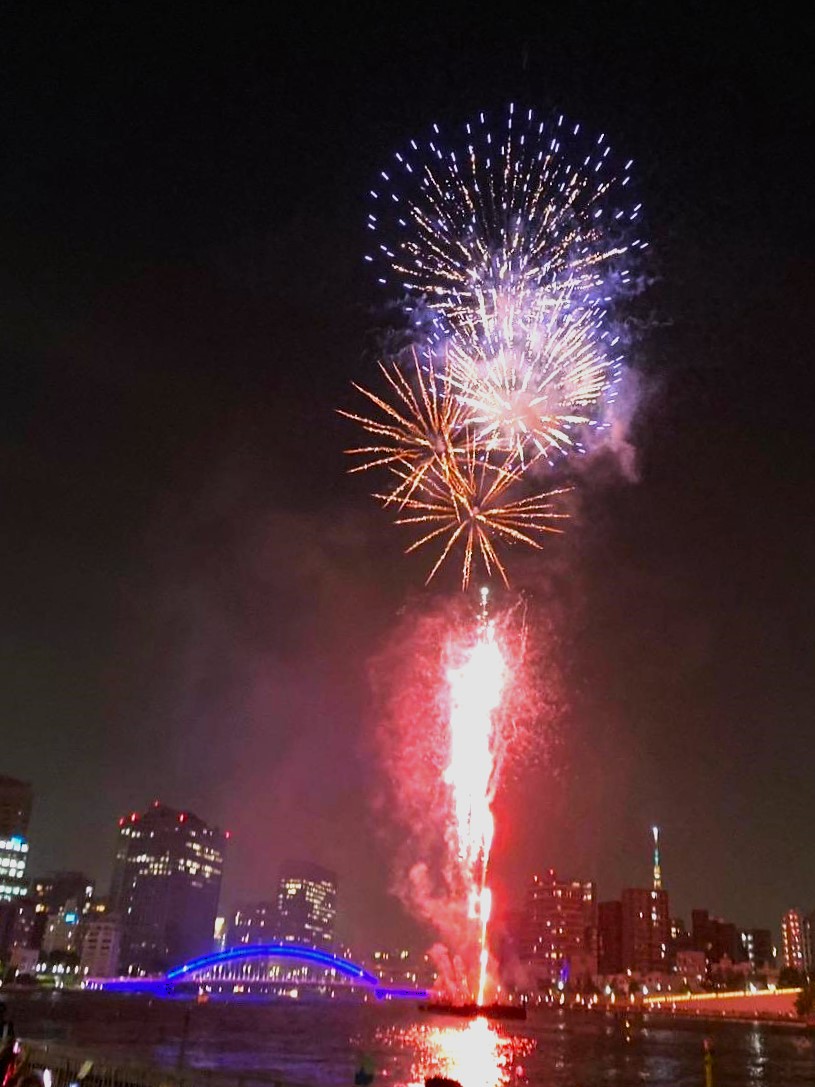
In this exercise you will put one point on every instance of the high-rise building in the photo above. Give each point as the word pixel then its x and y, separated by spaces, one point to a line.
pixel 165 887
pixel 646 930
pixel 255 923
pixel 15 807
pixel 794 942
pixel 15 812
pixel 306 904
pixel 13 858
pixel 610 938
pixel 560 927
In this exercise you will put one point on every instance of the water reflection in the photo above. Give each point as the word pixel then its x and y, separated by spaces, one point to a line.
pixel 476 1053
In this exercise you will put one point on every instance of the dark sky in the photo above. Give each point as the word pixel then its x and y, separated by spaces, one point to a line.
pixel 191 586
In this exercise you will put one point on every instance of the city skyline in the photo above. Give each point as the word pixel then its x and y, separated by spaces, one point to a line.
pixel 265 920
pixel 195 595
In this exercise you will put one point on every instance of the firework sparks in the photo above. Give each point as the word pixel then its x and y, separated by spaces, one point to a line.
pixel 501 214
pixel 471 504
pixel 530 386
pixel 513 245
pixel 420 434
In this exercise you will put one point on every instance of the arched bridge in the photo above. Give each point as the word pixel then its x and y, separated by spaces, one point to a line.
pixel 262 969
pixel 308 956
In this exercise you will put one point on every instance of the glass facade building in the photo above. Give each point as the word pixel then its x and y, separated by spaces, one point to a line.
pixel 165 888
pixel 306 905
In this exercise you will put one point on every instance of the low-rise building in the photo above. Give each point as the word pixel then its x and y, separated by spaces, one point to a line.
pixel 101 946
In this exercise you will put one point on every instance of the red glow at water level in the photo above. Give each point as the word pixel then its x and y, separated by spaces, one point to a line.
pixel 476 1054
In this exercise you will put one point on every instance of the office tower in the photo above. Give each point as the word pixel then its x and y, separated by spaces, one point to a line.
pixel 306 904
pixel 13 858
pixel 165 887
pixel 255 923
pixel 645 930
pixel 560 928
pixel 610 938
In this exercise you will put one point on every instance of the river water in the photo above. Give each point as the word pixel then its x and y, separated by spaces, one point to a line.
pixel 319 1044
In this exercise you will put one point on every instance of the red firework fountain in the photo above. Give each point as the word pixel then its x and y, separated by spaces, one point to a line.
pixel 476 687
pixel 457 702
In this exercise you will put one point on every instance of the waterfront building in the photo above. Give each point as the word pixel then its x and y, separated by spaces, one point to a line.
pixel 560 929
pixel 306 904
pixel 645 930
pixel 610 938
pixel 795 950
pixel 165 887
pixel 254 923
pixel 101 946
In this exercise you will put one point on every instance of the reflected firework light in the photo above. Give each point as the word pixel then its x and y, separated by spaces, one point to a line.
pixel 476 1054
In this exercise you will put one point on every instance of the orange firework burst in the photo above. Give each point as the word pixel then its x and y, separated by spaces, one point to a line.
pixel 471 503
pixel 451 479
pixel 421 433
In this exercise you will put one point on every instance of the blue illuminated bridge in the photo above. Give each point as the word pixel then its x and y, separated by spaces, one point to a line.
pixel 262 969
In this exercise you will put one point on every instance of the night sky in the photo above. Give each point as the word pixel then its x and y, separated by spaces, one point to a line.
pixel 192 586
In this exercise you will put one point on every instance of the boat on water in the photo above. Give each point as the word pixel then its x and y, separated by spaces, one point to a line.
pixel 473 1011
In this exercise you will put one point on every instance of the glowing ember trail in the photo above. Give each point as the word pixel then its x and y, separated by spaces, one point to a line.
pixel 476 690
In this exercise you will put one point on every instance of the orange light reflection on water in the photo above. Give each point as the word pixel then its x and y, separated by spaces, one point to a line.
pixel 475 1053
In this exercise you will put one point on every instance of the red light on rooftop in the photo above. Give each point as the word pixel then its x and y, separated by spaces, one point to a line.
pixel 227 834
pixel 182 817
pixel 121 822
pixel 156 803
pixel 133 817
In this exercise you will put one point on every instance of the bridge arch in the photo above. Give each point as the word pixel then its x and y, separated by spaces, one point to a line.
pixel 312 956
